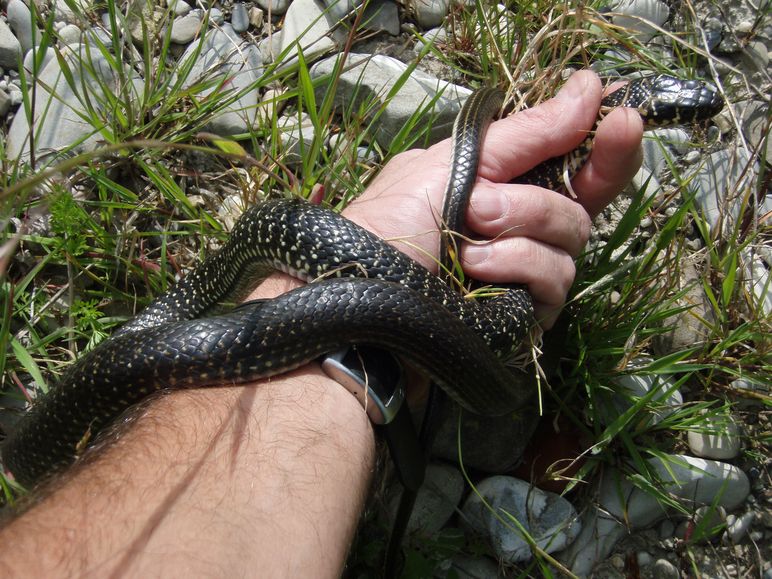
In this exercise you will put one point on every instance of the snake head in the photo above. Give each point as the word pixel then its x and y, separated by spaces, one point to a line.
pixel 663 100
pixel 676 101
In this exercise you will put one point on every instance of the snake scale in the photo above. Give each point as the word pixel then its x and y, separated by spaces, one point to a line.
pixel 370 293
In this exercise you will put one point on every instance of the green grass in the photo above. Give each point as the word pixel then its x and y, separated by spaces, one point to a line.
pixel 128 218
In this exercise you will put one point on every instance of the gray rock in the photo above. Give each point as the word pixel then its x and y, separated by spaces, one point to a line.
pixel 55 99
pixel 630 388
pixel 72 12
pixel 429 13
pixel 240 17
pixel 757 279
pixel 256 18
pixel 144 19
pixel 46 58
pixel 343 9
pixel 180 7
pixel 709 522
pixel 216 16
pixel 473 568
pixel 638 15
pixel 644 180
pixel 644 559
pixel 231 208
pixel 10 49
pixel 720 184
pixel 70 34
pixel 308 25
pixel 737 527
pixel 692 157
pixel 435 35
pixel 17 97
pixel 666 529
pixel 382 17
pixel 20 21
pixel 692 326
pixel 721 440
pixel 296 137
pixel 372 77
pixel 185 28
pixel 275 7
pixel 754 121
pixel 658 144
pixel 5 103
pixel 436 502
pixel 490 444
pixel 223 57
pixel 695 481
pixel 664 569
pixel 548 518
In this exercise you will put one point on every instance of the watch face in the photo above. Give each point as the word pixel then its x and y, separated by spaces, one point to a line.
pixel 373 375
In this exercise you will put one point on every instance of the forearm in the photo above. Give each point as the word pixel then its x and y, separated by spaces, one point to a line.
pixel 216 482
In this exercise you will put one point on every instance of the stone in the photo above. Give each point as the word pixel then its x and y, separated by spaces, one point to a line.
pixel 256 18
pixel 223 57
pixel 737 527
pixel 20 21
pixel 548 518
pixel 658 145
pixel 296 136
pixel 708 522
pixel 180 7
pixel 216 16
pixel 639 15
pixel 5 103
pixel 185 28
pixel 490 444
pixel 70 34
pixel 757 278
pixel 694 325
pixel 718 438
pixel 369 78
pixel 44 59
pixel 429 13
pixel 274 7
pixel 463 567
pixel 435 36
pixel 308 26
pixel 664 569
pixel 10 49
pixel 56 99
pixel 71 11
pixel 343 9
pixel 753 118
pixel 437 500
pixel 382 17
pixel 630 388
pixel 240 17
pixel 695 481
pixel 721 183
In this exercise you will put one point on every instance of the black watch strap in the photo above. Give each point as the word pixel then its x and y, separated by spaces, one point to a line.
pixel 376 378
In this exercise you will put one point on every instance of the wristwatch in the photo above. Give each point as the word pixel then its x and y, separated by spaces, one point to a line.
pixel 376 378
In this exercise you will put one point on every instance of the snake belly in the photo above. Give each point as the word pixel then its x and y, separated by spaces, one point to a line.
pixel 373 294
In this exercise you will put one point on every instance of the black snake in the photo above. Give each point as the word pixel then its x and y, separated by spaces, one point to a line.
pixel 370 293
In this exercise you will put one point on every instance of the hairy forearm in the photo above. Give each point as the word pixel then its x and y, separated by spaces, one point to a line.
pixel 220 482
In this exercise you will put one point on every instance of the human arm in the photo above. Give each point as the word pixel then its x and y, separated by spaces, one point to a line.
pixel 270 478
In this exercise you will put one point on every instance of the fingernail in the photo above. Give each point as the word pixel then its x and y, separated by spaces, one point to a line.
pixel 489 206
pixel 574 88
pixel 476 254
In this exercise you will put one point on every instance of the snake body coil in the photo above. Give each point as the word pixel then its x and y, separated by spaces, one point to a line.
pixel 398 305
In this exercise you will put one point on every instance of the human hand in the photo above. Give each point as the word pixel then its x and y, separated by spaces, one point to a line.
pixel 533 234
